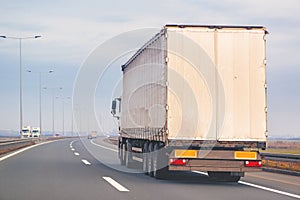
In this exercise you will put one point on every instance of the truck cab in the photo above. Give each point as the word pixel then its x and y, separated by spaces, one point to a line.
pixel 92 135
pixel 116 108
pixel 26 132
pixel 35 132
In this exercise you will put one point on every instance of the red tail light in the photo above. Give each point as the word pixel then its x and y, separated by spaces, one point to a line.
pixel 177 161
pixel 253 164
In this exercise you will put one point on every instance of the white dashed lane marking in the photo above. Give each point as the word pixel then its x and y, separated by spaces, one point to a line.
pixel 71 144
pixel 86 162
pixel 115 184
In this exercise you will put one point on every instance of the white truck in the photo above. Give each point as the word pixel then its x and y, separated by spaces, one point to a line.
pixel 194 98
pixel 35 132
pixel 92 135
pixel 26 132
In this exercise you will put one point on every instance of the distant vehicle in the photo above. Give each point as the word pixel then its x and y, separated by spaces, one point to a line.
pixel 26 132
pixel 35 132
pixel 194 98
pixel 92 135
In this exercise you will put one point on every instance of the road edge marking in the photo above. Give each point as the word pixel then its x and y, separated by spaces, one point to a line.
pixel 259 187
pixel 273 179
pixel 115 184
pixel 92 141
pixel 270 189
pixel 22 150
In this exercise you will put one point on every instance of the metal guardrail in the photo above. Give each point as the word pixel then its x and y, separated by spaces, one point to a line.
pixel 13 144
pixel 287 156
pixel 290 162
pixel 9 140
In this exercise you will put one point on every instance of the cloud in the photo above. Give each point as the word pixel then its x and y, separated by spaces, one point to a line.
pixel 72 29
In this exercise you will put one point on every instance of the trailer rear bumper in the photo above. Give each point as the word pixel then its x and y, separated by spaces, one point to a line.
pixel 214 165
pixel 215 160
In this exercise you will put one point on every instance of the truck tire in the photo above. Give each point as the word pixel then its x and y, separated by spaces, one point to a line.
pixel 129 162
pixel 145 158
pixel 160 162
pixel 150 157
pixel 122 153
pixel 223 177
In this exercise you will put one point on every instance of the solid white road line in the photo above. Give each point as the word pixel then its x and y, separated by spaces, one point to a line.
pixel 103 146
pixel 86 162
pixel 260 187
pixel 115 184
pixel 274 179
pixel 270 189
pixel 76 154
pixel 22 150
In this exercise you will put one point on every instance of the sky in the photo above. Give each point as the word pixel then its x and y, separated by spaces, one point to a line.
pixel 71 30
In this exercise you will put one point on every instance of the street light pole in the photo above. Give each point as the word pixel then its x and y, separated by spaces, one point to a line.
pixel 20 45
pixel 71 114
pixel 64 101
pixel 53 112
pixel 63 112
pixel 63 116
pixel 53 107
pixel 21 101
pixel 72 118
pixel 40 96
pixel 40 90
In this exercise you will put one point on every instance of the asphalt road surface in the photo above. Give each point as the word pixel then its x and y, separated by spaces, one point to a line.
pixel 89 169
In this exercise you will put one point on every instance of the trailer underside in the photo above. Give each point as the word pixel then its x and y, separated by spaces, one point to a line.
pixel 157 159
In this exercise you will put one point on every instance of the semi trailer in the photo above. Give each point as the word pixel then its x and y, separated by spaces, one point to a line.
pixel 194 99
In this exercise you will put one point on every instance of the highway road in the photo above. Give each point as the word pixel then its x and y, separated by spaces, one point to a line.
pixel 89 169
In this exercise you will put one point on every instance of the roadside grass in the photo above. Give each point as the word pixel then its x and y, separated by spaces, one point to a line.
pixel 281 151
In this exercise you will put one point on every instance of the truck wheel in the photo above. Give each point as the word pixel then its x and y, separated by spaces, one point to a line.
pixel 129 161
pixel 150 157
pixel 145 158
pixel 223 177
pixel 122 153
pixel 160 163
